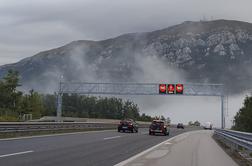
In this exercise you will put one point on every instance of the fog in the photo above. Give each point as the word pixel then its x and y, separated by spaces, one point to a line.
pixel 190 108
pixel 28 26
pixel 155 70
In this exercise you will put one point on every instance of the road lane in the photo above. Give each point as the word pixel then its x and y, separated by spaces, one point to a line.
pixel 81 149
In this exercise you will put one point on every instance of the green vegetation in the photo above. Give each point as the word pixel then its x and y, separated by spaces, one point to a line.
pixel 10 98
pixel 15 104
pixel 196 123
pixel 98 107
pixel 243 118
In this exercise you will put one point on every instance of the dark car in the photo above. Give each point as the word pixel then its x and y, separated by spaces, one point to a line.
pixel 128 125
pixel 159 126
pixel 180 126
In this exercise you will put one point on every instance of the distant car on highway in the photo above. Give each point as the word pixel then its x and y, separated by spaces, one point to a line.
pixel 208 125
pixel 128 125
pixel 180 126
pixel 159 126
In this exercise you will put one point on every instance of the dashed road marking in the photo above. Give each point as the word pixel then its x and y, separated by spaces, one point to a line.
pixel 112 137
pixel 14 154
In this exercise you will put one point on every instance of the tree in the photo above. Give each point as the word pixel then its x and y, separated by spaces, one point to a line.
pixel 168 119
pixel 130 110
pixel 162 118
pixel 49 105
pixel 196 123
pixel 32 103
pixel 243 118
pixel 10 97
pixel 190 123
pixel 145 118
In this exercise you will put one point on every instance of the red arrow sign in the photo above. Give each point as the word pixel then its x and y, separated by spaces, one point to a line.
pixel 162 88
pixel 179 88
pixel 171 88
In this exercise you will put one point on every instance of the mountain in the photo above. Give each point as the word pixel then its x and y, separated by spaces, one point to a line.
pixel 217 51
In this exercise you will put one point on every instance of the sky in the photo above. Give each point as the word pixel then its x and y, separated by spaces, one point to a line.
pixel 29 26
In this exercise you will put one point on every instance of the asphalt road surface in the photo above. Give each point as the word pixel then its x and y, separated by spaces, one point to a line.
pixel 196 148
pixel 104 148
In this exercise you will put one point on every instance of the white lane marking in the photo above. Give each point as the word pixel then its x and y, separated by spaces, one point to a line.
pixel 112 137
pixel 150 149
pixel 52 135
pixel 168 143
pixel 14 154
pixel 143 133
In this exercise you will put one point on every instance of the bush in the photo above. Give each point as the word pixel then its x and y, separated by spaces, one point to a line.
pixel 8 119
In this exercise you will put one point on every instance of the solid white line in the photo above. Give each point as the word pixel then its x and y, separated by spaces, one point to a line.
pixel 52 135
pixel 148 150
pixel 112 137
pixel 14 154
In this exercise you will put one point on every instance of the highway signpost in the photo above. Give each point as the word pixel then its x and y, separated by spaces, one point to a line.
pixel 165 89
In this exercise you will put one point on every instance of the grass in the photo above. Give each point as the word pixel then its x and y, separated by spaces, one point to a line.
pixel 234 154
pixel 35 133
pixel 8 119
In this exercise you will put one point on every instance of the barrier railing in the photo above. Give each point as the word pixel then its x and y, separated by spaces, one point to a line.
pixel 42 126
pixel 242 139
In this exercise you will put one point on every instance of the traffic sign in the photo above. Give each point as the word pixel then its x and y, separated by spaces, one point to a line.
pixel 162 88
pixel 179 88
pixel 171 89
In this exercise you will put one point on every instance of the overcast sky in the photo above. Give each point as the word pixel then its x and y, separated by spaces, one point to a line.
pixel 30 26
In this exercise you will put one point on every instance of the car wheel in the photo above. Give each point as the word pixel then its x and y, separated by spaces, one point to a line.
pixel 119 130
pixel 124 131
pixel 136 130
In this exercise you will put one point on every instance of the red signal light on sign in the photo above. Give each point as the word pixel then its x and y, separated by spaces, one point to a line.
pixel 171 89
pixel 162 88
pixel 179 88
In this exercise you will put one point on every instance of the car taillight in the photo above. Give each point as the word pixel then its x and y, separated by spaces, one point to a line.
pixel 130 124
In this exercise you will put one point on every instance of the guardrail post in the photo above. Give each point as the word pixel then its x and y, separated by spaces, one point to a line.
pixel 59 103
pixel 59 107
pixel 222 113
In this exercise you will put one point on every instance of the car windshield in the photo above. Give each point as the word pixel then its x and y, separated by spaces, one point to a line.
pixel 125 82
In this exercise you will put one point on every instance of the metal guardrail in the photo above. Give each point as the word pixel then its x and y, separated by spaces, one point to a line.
pixel 49 126
pixel 242 139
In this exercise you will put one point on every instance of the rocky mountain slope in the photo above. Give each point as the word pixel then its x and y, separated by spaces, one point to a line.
pixel 217 51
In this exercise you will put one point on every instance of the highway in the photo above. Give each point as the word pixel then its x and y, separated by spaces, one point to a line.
pixel 104 148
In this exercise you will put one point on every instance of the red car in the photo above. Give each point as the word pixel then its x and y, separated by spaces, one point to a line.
pixel 128 125
pixel 159 126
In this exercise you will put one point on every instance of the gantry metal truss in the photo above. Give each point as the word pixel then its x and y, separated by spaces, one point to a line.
pixel 87 88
